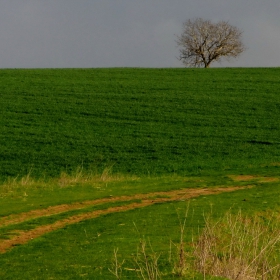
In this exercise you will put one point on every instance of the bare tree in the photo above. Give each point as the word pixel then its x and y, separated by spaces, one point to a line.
pixel 203 42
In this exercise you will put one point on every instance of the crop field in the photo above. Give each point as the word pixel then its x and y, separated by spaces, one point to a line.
pixel 139 121
pixel 119 173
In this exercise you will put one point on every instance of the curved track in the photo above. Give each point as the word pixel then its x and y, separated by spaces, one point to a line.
pixel 23 237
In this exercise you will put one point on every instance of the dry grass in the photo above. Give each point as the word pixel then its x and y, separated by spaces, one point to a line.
pixel 260 179
pixel 82 177
pixel 147 263
pixel 79 177
pixel 179 260
pixel 239 248
pixel 116 269
pixel 13 185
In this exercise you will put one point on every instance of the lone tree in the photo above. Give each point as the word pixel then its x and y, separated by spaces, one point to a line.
pixel 203 42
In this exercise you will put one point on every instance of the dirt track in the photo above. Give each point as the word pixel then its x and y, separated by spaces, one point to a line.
pixel 23 237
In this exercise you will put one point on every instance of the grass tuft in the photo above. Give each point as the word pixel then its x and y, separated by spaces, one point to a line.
pixel 82 177
pixel 116 269
pixel 147 263
pixel 239 248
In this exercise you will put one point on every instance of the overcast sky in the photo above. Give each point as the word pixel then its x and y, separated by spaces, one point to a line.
pixel 127 33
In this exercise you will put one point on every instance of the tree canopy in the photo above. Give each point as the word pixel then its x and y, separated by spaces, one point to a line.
pixel 203 42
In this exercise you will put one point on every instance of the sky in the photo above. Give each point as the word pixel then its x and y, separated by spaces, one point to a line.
pixel 127 33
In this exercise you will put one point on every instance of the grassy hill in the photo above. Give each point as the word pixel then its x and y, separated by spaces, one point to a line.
pixel 97 161
pixel 140 121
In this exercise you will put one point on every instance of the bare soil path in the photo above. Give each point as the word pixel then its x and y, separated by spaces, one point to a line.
pixel 23 237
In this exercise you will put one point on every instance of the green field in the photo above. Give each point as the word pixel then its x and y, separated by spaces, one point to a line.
pixel 97 159
pixel 139 121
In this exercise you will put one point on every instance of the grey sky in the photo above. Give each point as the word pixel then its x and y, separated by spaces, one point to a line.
pixel 127 33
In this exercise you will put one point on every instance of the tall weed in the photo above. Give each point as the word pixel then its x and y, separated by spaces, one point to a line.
pixel 239 248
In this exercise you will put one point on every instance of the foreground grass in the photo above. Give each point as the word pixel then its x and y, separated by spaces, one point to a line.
pixel 85 250
pixel 140 121
pixel 240 247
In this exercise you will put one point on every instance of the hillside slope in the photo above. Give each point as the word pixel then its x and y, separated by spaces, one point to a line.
pixel 139 121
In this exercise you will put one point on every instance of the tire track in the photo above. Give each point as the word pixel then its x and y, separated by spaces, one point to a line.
pixel 146 200
pixel 58 209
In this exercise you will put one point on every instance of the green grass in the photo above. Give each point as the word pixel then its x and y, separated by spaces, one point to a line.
pixel 85 250
pixel 70 135
pixel 139 121
pixel 36 194
pixel 7 231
